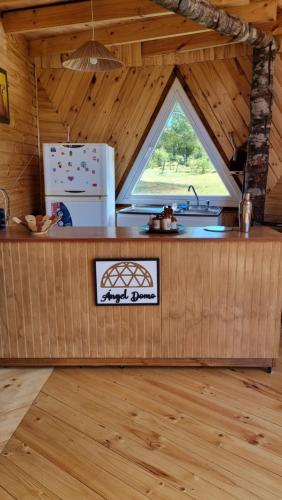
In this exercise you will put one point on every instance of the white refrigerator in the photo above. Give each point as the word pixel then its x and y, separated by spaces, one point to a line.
pixel 80 183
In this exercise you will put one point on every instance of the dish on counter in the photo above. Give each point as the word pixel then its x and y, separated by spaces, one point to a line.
pixel 147 229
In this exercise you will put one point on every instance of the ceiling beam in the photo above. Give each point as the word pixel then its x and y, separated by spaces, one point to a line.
pixel 76 13
pixel 186 43
pixel 72 13
pixel 22 4
pixel 119 34
pixel 197 41
pixel 133 31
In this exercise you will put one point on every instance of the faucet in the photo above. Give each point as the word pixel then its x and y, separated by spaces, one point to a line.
pixel 191 188
pixel 6 204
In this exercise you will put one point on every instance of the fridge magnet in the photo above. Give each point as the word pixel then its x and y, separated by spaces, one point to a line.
pixel 53 150
pixel 126 282
pixel 4 98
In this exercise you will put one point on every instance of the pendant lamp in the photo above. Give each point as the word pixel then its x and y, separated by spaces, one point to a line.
pixel 92 56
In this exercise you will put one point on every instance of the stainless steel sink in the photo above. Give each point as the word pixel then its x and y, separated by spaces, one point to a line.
pixel 192 210
pixel 143 210
pixel 199 210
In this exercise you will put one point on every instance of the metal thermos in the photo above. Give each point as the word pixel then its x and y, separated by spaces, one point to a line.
pixel 245 213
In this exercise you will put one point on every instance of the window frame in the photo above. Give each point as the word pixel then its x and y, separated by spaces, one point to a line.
pixel 177 94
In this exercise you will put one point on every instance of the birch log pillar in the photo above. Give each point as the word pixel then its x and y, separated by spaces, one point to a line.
pixel 259 128
pixel 265 49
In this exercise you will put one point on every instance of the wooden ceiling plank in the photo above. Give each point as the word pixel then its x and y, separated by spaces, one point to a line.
pixel 105 10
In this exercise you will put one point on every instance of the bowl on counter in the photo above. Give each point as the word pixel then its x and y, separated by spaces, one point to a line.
pixel 38 225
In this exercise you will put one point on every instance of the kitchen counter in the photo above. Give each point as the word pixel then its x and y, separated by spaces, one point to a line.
pixel 20 233
pixel 220 299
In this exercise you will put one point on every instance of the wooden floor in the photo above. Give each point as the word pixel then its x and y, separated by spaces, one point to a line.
pixel 159 433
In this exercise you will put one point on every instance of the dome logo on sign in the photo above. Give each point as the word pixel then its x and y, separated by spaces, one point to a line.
pixel 127 281
pixel 127 275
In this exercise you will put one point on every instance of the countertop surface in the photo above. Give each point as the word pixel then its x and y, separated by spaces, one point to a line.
pixel 20 233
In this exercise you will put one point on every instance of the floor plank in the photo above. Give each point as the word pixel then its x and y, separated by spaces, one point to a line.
pixel 18 389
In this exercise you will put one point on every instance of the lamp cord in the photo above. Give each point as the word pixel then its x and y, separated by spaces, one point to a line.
pixel 92 18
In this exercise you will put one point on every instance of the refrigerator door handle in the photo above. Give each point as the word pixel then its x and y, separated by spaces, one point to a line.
pixel 74 191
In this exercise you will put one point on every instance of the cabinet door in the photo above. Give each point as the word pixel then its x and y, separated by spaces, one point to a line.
pixel 130 220
pixel 197 221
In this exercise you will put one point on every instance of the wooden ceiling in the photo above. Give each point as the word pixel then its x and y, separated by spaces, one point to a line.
pixel 58 27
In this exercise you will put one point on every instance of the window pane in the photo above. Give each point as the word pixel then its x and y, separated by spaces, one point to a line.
pixel 178 160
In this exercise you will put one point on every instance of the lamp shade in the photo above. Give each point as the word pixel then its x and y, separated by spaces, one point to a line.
pixel 92 56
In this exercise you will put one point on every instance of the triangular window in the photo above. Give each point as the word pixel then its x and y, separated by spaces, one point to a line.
pixel 178 152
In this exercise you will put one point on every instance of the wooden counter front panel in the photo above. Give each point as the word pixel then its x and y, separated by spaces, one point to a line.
pixel 221 300
pixel 218 300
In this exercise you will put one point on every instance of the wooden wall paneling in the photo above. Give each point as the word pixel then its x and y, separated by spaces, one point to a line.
pixel 127 100
pixel 105 91
pixel 48 61
pixel 208 111
pixel 69 106
pixel 217 95
pixel 43 77
pixel 273 207
pixel 18 140
pixel 138 122
pixel 130 54
pixel 51 128
pixel 59 87
pixel 89 117
pixel 234 91
pixel 113 104
pixel 211 104
pixel 276 130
